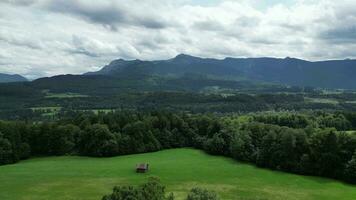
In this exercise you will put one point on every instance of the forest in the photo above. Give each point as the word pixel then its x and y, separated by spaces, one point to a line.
pixel 308 143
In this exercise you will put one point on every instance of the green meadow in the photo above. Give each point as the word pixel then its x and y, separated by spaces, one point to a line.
pixel 83 178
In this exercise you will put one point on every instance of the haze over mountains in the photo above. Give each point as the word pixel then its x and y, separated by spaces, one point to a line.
pixel 290 71
pixel 8 78
pixel 185 69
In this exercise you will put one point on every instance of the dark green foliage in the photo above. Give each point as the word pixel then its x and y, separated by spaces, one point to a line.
pixel 201 194
pixel 141 138
pixel 219 144
pixel 97 140
pixel 123 193
pixel 6 153
pixel 62 140
pixel 241 146
pixel 324 152
pixel 152 190
pixel 350 171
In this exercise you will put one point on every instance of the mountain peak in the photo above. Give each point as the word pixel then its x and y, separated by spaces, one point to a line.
pixel 184 56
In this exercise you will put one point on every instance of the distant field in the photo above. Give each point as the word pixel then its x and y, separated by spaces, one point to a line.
pixel 52 108
pixel 321 100
pixel 47 111
pixel 65 95
pixel 97 111
pixel 351 132
pixel 82 178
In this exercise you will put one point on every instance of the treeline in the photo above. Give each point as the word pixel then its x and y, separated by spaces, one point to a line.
pixel 341 121
pixel 319 152
pixel 288 142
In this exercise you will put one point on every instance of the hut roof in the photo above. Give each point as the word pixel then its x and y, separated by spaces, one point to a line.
pixel 142 166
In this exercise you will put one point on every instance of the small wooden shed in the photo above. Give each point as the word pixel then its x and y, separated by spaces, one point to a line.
pixel 142 168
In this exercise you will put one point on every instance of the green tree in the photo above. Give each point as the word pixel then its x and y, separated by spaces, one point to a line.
pixel 6 154
pixel 241 146
pixel 350 170
pixel 201 194
pixel 152 190
pixel 123 193
pixel 97 140
pixel 62 140
pixel 324 148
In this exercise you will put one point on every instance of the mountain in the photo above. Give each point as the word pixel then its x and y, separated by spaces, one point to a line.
pixel 290 71
pixel 7 78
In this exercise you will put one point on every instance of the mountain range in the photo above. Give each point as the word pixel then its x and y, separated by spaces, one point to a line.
pixel 189 73
pixel 289 71
pixel 7 78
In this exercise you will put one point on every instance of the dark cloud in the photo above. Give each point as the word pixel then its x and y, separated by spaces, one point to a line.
pixel 22 42
pixel 19 2
pixel 340 35
pixel 110 14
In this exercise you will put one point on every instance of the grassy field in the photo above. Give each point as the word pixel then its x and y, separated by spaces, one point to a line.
pixel 321 100
pixel 79 178
pixel 50 109
pixel 65 95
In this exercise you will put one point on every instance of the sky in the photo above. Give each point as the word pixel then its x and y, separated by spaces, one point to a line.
pixel 50 37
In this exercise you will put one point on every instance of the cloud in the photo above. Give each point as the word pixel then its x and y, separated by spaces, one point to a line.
pixel 49 37
pixel 19 2
pixel 111 14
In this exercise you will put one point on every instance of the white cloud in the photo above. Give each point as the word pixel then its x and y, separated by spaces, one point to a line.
pixel 49 37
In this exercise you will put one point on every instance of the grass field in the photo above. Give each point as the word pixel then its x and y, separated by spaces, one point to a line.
pixel 79 178
pixel 321 100
pixel 65 95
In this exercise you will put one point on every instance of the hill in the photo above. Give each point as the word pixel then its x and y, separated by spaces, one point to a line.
pixel 7 78
pixel 290 71
pixel 90 178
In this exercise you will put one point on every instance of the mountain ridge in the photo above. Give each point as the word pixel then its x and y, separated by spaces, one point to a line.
pixel 9 78
pixel 290 71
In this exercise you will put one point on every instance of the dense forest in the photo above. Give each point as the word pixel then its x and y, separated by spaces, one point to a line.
pixel 308 143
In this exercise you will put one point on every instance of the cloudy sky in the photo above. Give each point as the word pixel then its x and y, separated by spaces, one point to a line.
pixel 50 37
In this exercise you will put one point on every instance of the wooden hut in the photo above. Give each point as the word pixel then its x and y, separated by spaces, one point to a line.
pixel 142 168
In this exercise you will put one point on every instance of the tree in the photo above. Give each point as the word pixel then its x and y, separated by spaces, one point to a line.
pixel 97 140
pixel 288 158
pixel 6 154
pixel 350 170
pixel 201 194
pixel 267 149
pixel 152 190
pixel 123 193
pixel 215 145
pixel 62 140
pixel 324 148
pixel 241 146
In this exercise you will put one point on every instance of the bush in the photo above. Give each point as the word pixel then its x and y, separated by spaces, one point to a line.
pixel 201 194
pixel 152 190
